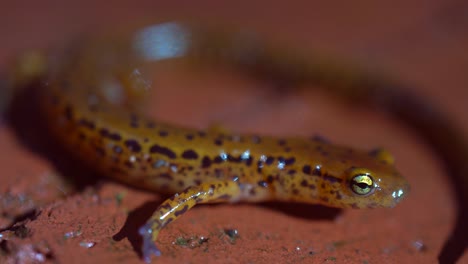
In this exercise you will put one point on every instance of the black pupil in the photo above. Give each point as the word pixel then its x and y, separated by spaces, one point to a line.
pixel 362 185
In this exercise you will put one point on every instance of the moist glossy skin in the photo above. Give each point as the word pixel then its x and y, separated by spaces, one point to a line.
pixel 91 99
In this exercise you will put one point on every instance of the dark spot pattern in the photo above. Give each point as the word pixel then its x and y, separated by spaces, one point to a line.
pixel 320 139
pixel 163 133
pixel 262 184
pixel 150 124
pixel 190 154
pixel 117 149
pixel 206 162
pixel 317 171
pixel 182 211
pixel 256 139
pixel 107 134
pixel 86 123
pixel 68 112
pixel 289 161
pixel 281 142
pixel 331 178
pixel 163 151
pixel 218 159
pixel 269 160
pixel 133 145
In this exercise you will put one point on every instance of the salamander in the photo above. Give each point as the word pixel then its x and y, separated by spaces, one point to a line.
pixel 91 97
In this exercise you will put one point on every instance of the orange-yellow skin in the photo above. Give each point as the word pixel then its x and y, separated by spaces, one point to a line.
pixel 91 97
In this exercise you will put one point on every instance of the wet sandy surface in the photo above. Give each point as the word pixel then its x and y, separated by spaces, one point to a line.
pixel 423 45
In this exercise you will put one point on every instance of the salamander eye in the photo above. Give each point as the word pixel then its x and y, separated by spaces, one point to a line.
pixel 362 184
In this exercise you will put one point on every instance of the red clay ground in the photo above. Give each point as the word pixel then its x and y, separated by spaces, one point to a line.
pixel 423 43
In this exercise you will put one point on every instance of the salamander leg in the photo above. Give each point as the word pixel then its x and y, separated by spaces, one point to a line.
pixel 174 207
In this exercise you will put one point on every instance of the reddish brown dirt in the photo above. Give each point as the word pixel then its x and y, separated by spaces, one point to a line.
pixel 422 43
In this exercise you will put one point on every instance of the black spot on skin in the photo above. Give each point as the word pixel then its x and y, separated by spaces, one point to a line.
pixel 133 145
pixel 86 123
pixel 68 112
pixel 252 192
pixel 331 178
pixel 225 197
pixel 100 151
pixel 317 171
pixel 259 169
pixel 129 164
pixel 306 169
pixel 281 142
pixel 218 159
pixel 181 183
pixel 281 160
pixel 202 133
pixel 304 183
pixel 270 179
pixel 287 149
pixel 167 176
pixel 292 172
pixel 117 149
pixel 312 187
pixel 206 162
pixel 189 136
pixel 163 150
pixel 163 133
pixel 234 159
pixel 256 139
pixel 190 154
pixel 218 142
pixel 295 191
pixel 182 211
pixel 262 184
pixel 167 207
pixel 218 173
pixel 289 161
pixel 354 205
pixel 320 139
pixel 150 124
pixel 338 196
pixel 105 133
pixel 269 160
pixel 197 182
pixel 248 161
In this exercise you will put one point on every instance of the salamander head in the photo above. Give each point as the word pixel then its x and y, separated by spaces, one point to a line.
pixel 368 180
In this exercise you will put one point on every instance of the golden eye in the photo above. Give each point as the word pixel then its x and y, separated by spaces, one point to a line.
pixel 362 184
